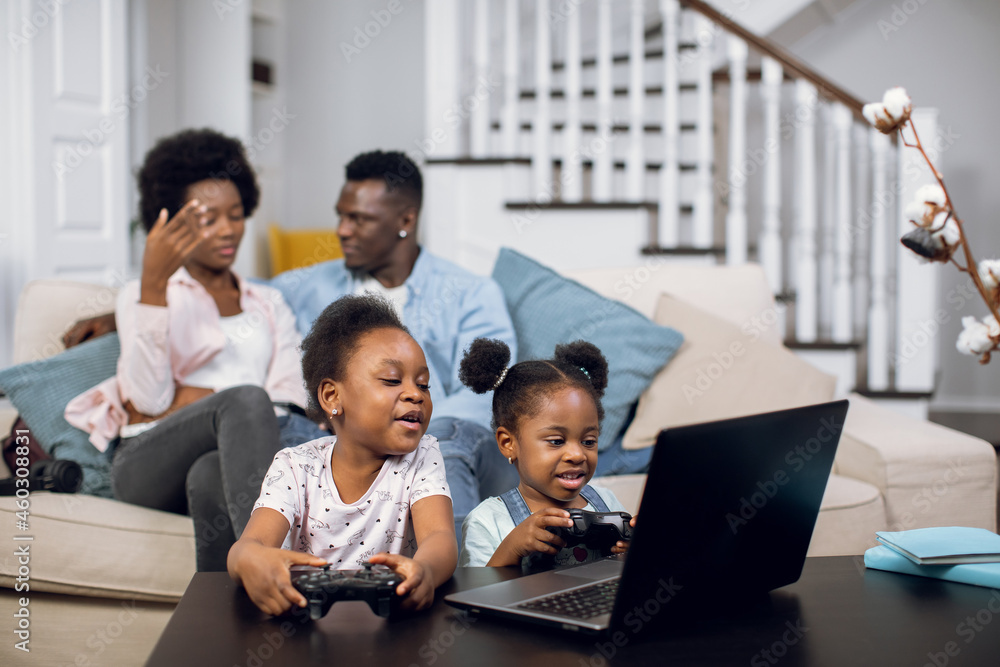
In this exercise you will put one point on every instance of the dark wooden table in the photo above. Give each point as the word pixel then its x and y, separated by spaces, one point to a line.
pixel 836 615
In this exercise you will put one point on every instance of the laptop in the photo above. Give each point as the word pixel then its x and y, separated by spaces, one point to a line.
pixel 727 513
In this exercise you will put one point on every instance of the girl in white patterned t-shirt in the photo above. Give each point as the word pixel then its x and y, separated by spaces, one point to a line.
pixel 375 492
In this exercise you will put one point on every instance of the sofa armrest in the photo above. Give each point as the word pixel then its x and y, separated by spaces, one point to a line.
pixel 929 475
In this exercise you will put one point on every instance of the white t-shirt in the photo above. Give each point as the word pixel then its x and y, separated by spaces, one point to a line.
pixel 299 484
pixel 397 296
pixel 489 524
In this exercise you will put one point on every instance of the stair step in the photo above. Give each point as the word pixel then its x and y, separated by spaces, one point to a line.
pixel 823 344
pixel 650 128
pixel 583 205
pixel 683 251
pixel 488 161
pixel 619 58
pixel 718 76
pixel 893 394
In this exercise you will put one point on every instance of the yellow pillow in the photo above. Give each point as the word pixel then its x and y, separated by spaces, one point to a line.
pixel 295 248
pixel 720 372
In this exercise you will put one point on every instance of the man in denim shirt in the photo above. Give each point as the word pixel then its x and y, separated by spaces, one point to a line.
pixel 444 306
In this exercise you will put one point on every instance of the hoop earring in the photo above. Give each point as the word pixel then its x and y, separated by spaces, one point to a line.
pixel 510 460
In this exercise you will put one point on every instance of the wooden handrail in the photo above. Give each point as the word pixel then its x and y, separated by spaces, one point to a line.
pixel 789 62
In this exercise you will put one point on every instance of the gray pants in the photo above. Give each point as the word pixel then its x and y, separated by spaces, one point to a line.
pixel 206 459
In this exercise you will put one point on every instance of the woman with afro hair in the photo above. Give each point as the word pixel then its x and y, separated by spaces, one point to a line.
pixel 209 362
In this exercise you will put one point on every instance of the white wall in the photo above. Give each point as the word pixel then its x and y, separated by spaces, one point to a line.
pixel 944 54
pixel 374 101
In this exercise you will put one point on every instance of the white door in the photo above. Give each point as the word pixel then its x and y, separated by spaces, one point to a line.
pixel 69 109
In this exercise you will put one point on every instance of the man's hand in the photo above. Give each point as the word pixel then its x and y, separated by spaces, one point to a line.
pixel 92 327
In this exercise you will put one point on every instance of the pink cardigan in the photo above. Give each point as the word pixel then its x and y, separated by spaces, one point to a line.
pixel 161 346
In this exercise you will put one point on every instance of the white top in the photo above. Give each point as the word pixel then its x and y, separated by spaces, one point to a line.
pixel 397 296
pixel 489 524
pixel 242 360
pixel 299 484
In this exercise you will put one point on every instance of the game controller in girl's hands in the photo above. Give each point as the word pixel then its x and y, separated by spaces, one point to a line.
pixel 375 584
pixel 595 530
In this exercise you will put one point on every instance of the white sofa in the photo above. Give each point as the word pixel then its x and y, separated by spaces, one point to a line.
pixel 96 561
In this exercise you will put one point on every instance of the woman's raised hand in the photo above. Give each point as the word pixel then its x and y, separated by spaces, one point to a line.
pixel 168 245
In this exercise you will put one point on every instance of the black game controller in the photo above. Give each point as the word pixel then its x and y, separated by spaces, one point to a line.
pixel 375 584
pixel 595 530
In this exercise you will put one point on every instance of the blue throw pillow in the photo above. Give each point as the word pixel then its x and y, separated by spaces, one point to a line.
pixel 40 391
pixel 548 309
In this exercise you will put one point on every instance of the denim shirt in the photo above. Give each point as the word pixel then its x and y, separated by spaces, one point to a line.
pixel 447 308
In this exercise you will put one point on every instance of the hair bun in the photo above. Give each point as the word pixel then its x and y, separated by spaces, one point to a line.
pixel 589 359
pixel 483 364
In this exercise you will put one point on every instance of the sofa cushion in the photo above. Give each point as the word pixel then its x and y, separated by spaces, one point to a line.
pixel 738 294
pixel 720 372
pixel 100 547
pixel 548 309
pixel 40 391
pixel 849 515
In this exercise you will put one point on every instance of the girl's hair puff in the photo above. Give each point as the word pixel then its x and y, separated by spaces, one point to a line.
pixel 333 339
pixel 524 386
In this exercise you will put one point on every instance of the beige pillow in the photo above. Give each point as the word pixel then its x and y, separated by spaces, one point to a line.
pixel 720 372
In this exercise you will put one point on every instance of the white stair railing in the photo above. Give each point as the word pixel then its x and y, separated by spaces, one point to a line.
pixel 668 214
pixel 635 165
pixel 736 216
pixel 843 199
pixel 541 155
pixel 704 217
pixel 603 154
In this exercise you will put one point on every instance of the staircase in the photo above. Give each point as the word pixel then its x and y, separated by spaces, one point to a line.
pixel 592 133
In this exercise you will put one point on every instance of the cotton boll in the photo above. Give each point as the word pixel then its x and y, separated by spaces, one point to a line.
pixel 872 111
pixel 992 326
pixel 897 103
pixel 975 337
pixel 932 193
pixel 948 234
pixel 919 212
pixel 989 273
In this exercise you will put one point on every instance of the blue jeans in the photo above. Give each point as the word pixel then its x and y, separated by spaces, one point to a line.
pixel 472 463
pixel 296 429
pixel 617 461
pixel 207 459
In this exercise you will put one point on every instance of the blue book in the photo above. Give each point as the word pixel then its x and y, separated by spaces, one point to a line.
pixel 978 574
pixel 946 545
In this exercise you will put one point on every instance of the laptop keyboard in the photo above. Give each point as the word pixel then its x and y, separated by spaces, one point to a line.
pixel 585 602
